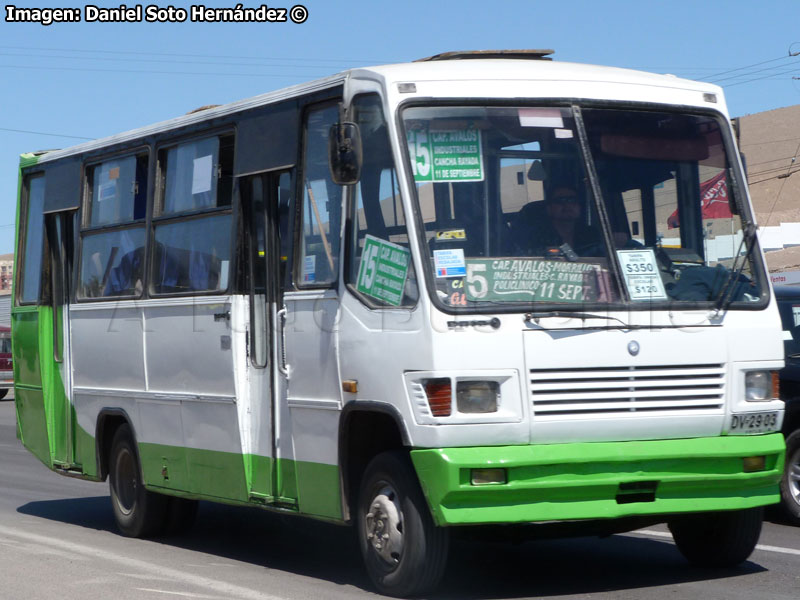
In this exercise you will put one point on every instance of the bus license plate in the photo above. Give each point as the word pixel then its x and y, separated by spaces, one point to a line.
pixel 759 422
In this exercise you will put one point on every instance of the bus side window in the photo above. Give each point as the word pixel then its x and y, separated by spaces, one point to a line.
pixel 192 252
pixel 376 207
pixel 285 205
pixel 31 271
pixel 113 236
pixel 318 264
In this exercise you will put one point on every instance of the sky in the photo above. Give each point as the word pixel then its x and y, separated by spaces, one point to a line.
pixel 67 82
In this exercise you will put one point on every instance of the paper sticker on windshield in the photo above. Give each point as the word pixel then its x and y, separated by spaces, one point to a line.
pixel 107 191
pixel 449 263
pixel 527 280
pixel 642 278
pixel 310 269
pixel 451 234
pixel 202 174
pixel 383 270
pixel 541 117
pixel 446 154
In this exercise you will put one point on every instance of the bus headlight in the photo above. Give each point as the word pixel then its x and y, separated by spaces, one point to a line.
pixel 758 385
pixel 477 396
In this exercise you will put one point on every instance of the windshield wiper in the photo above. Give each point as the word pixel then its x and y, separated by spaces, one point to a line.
pixel 726 292
pixel 566 314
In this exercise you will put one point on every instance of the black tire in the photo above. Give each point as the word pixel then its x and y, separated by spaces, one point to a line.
pixel 181 515
pixel 403 550
pixel 137 512
pixel 790 482
pixel 720 539
pixel 3 393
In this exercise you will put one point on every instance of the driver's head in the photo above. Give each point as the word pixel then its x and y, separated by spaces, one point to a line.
pixel 564 204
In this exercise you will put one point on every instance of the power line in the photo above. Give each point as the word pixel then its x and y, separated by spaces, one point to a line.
pixel 156 60
pixel 749 73
pixel 794 139
pixel 75 137
pixel 204 74
pixel 793 69
pixel 782 176
pixel 783 183
pixel 141 53
pixel 789 55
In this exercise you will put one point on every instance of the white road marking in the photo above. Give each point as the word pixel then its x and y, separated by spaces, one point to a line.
pixel 763 547
pixel 226 590
pixel 182 594
pixel 145 576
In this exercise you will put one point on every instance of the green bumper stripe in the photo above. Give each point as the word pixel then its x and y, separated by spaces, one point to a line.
pixel 582 481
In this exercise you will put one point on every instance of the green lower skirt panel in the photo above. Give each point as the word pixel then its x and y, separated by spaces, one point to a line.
pixel 313 488
pixel 599 480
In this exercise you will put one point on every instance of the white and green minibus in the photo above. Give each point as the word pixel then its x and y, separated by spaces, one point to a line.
pixel 479 289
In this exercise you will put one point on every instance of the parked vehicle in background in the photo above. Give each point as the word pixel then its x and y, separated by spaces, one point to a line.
pixel 6 369
pixel 789 307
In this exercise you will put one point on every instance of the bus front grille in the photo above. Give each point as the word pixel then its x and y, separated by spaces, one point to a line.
pixel 627 389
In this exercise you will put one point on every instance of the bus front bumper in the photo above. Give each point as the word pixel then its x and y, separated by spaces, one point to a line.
pixel 601 480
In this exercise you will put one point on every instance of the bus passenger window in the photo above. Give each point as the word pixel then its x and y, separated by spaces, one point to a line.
pixel 118 191
pixel 112 260
pixel 112 264
pixel 192 256
pixel 198 175
pixel 191 251
pixel 34 241
pixel 322 205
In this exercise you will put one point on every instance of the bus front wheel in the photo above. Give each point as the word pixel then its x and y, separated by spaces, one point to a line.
pixel 403 550
pixel 721 539
pixel 137 512
pixel 790 482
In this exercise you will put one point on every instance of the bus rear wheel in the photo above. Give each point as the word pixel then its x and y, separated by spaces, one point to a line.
pixel 137 512
pixel 403 550
pixel 721 539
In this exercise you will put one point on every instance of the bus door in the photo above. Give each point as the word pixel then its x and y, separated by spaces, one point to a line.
pixel 55 363
pixel 265 208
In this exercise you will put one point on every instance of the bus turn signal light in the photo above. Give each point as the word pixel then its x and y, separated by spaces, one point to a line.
pixel 440 397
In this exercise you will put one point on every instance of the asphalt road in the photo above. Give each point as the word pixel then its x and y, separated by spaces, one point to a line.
pixel 58 541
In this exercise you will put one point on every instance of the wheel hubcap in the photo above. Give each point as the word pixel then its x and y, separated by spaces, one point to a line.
pixel 125 482
pixel 793 470
pixel 384 526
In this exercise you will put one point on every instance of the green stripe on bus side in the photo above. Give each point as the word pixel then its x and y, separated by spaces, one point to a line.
pixel 32 422
pixel 221 476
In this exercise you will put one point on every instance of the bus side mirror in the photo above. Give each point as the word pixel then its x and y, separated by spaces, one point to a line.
pixel 345 153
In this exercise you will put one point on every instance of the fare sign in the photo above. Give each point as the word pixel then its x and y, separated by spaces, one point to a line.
pixel 640 270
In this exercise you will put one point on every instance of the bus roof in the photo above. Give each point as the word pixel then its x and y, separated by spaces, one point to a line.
pixel 440 68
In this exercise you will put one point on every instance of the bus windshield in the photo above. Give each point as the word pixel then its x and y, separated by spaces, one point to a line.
pixel 517 209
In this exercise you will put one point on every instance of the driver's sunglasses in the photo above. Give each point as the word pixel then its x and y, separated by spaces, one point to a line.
pixel 565 199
